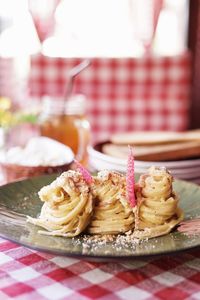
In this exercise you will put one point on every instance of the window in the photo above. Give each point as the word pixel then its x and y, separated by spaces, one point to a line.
pixel 118 28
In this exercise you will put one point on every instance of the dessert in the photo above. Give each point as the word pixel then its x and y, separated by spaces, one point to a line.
pixel 68 206
pixel 110 203
pixel 157 204
pixel 112 213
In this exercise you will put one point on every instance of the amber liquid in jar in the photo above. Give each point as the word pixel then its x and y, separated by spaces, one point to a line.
pixel 67 124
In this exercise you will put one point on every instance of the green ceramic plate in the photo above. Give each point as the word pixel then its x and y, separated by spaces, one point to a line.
pixel 20 199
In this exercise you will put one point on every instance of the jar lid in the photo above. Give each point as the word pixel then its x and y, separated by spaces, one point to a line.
pixel 76 104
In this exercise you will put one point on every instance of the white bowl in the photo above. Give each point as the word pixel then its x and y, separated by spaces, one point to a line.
pixel 183 169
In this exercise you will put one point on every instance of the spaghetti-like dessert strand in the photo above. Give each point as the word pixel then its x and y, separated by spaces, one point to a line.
pixel 157 204
pixel 112 212
pixel 68 206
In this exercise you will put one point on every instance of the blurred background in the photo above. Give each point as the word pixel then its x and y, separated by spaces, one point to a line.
pixel 144 60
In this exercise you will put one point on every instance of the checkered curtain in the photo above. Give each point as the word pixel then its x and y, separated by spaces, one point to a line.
pixel 150 93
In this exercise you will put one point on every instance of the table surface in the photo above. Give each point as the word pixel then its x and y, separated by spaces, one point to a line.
pixel 29 274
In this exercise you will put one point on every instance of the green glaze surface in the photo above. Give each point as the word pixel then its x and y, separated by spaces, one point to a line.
pixel 20 199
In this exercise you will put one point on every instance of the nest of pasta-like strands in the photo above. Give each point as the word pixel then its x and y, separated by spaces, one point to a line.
pixel 13 172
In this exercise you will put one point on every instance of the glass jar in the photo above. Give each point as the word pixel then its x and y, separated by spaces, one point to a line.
pixel 67 123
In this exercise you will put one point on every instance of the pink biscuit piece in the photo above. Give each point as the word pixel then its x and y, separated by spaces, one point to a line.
pixel 130 181
pixel 86 175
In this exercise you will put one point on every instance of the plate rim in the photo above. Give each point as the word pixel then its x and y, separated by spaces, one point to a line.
pixel 84 256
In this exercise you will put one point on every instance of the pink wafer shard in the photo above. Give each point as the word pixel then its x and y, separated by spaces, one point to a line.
pixel 190 226
pixel 86 175
pixel 130 181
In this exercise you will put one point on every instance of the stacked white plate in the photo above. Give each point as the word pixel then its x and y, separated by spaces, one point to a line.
pixel 183 169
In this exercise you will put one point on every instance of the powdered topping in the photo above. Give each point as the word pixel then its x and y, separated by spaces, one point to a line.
pixel 67 180
pixel 120 241
pixel 115 178
pixel 74 179
pixel 130 181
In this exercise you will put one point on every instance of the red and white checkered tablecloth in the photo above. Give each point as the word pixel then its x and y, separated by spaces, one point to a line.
pixel 149 93
pixel 27 274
